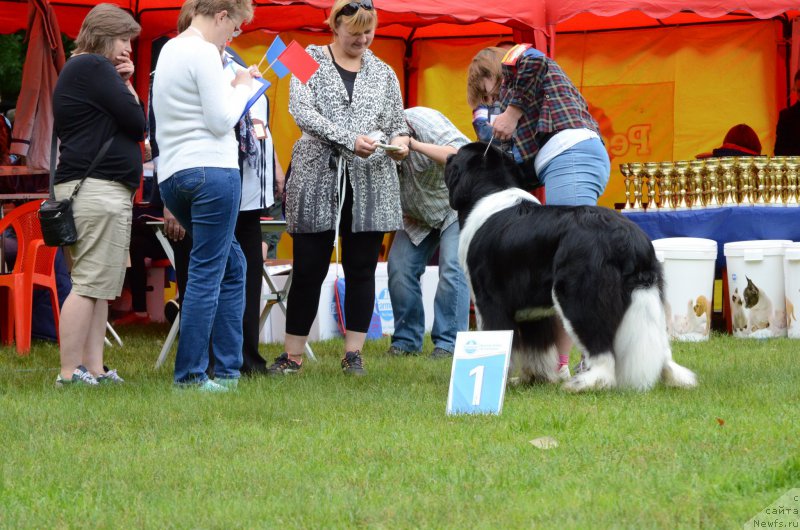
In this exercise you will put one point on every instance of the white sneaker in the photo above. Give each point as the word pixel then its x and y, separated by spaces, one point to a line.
pixel 80 377
pixel 563 372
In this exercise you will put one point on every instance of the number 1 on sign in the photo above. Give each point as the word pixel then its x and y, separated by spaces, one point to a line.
pixel 476 391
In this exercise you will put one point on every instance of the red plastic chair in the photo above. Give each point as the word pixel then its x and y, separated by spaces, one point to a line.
pixel 34 267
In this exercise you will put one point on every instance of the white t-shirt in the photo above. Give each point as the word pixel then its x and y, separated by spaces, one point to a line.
pixel 257 181
pixel 558 143
pixel 195 108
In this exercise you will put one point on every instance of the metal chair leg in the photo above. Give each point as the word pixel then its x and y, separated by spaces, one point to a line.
pixel 113 334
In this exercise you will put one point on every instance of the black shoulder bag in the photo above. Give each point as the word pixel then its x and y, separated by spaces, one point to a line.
pixel 55 217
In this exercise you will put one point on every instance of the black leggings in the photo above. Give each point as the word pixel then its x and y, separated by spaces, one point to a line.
pixel 312 255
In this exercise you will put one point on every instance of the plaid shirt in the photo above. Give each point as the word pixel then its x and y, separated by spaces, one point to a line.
pixel 423 193
pixel 549 101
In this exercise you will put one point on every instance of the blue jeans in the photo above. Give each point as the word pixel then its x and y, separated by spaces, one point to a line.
pixel 577 176
pixel 451 304
pixel 206 202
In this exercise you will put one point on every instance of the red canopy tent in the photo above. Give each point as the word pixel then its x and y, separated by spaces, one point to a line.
pixel 538 21
pixel 531 21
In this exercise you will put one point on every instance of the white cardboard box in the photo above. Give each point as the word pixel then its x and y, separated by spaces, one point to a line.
pixel 325 327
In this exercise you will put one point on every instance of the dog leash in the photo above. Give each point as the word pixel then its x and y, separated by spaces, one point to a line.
pixel 341 184
pixel 488 145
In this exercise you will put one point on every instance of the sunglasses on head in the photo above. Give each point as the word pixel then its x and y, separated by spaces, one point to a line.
pixel 350 9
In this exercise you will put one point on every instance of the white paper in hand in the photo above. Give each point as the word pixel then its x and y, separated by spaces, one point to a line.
pixel 387 147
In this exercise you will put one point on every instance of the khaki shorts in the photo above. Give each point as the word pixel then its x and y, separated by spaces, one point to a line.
pixel 102 211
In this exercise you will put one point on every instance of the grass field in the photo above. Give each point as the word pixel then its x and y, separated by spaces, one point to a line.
pixel 320 450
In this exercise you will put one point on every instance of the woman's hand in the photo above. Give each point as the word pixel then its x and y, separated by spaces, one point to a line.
pixel 124 66
pixel 364 146
pixel 505 124
pixel 243 77
pixel 403 143
pixel 172 227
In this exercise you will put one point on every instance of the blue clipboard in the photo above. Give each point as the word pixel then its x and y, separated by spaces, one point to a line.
pixel 260 88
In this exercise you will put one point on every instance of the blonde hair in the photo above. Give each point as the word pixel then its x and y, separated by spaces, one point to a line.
pixel 239 8
pixel 102 25
pixel 487 63
pixel 361 21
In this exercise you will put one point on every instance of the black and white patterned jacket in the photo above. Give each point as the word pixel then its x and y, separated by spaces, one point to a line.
pixel 330 125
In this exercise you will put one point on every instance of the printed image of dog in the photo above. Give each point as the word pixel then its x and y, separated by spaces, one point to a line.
pixel 738 316
pixel 685 327
pixel 703 307
pixel 530 265
pixel 790 313
pixel 759 306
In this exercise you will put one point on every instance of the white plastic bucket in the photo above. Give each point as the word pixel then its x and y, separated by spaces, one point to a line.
pixel 791 275
pixel 689 285
pixel 755 288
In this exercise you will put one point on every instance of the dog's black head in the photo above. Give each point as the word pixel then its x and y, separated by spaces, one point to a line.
pixel 470 175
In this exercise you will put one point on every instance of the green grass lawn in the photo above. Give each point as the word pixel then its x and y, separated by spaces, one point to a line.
pixel 320 450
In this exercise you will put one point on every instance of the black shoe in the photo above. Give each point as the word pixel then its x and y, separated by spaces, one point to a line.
pixel 283 365
pixel 171 310
pixel 394 351
pixel 441 353
pixel 352 364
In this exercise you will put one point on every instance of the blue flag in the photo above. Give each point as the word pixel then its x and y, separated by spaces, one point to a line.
pixel 275 49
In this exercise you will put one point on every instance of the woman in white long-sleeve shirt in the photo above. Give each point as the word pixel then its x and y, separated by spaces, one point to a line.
pixel 196 108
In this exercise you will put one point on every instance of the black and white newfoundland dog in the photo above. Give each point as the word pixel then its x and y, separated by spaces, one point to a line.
pixel 528 265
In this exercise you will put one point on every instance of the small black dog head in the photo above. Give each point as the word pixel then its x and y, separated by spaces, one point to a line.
pixel 475 171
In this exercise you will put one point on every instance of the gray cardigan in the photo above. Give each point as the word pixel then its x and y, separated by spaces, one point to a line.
pixel 330 125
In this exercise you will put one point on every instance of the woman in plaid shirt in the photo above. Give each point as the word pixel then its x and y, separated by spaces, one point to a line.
pixel 548 120
pixel 546 117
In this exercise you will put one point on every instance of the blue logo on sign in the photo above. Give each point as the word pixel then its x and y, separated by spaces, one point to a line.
pixel 471 346
pixel 384 304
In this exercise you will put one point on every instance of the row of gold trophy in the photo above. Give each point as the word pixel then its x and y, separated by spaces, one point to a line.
pixel 711 183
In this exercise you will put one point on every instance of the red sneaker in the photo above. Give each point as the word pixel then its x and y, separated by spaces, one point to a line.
pixel 132 318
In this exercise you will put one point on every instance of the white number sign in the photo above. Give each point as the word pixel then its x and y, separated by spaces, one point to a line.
pixel 479 372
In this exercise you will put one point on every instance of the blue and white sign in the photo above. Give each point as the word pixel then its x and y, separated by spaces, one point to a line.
pixel 480 371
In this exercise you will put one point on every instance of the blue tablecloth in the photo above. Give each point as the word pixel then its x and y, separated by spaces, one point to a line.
pixel 742 223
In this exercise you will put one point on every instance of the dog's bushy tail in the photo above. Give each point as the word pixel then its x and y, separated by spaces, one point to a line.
pixel 641 345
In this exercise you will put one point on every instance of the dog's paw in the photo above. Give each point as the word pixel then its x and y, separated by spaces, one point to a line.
pixel 675 375
pixel 590 380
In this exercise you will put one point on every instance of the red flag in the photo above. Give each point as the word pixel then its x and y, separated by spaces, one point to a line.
pixel 298 61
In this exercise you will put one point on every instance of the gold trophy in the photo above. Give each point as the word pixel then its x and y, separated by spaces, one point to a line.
pixel 681 166
pixel 653 174
pixel 746 180
pixel 779 184
pixel 760 163
pixel 728 177
pixel 636 171
pixel 697 178
pixel 626 176
pixel 714 183
pixel 667 197
pixel 792 163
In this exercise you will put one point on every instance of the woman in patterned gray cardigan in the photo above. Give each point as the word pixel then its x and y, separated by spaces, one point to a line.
pixel 342 183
